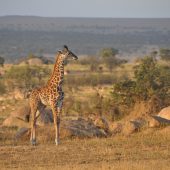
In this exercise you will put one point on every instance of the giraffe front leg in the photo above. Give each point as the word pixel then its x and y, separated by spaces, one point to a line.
pixel 57 109
pixel 56 125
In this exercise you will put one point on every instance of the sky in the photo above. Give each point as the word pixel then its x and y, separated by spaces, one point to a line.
pixel 87 8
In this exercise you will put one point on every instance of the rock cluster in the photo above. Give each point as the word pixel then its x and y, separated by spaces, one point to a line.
pixel 82 127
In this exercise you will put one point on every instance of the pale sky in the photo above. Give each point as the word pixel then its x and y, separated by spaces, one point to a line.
pixel 87 8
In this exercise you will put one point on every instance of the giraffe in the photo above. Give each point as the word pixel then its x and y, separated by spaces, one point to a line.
pixel 51 94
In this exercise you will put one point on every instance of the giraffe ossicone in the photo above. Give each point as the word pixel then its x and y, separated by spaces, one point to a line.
pixel 51 94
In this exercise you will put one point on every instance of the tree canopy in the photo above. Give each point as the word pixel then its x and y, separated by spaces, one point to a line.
pixel 2 60
pixel 149 80
pixel 164 54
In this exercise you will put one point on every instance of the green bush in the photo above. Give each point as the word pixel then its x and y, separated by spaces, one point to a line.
pixel 2 60
pixel 165 54
pixel 26 76
pixel 109 58
pixel 124 92
pixel 149 80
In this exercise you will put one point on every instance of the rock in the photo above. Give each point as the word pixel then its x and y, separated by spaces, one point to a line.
pixel 165 113
pixel 102 123
pixel 152 122
pixel 163 117
pixel 22 113
pixel 116 128
pixel 161 120
pixel 130 127
pixel 45 117
pixel 22 131
pixel 15 122
pixel 139 122
pixel 82 128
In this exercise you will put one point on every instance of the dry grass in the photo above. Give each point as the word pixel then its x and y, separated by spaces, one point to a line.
pixel 141 151
pixel 77 67
pixel 148 150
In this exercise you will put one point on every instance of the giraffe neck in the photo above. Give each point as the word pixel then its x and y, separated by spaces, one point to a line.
pixel 58 73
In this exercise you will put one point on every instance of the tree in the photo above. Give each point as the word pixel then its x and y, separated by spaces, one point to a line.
pixel 149 81
pixel 25 76
pixel 31 55
pixel 109 57
pixel 94 63
pixel 109 52
pixel 164 54
pixel 2 60
pixel 148 78
pixel 154 53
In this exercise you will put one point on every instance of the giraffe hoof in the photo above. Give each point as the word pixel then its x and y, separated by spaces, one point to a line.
pixel 33 142
pixel 57 142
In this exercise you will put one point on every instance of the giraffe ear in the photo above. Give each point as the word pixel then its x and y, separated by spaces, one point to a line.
pixel 65 48
pixel 59 52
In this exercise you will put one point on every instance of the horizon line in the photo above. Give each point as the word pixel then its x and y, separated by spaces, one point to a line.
pixel 83 17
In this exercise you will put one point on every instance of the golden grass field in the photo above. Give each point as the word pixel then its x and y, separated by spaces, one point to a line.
pixel 145 150
pixel 149 150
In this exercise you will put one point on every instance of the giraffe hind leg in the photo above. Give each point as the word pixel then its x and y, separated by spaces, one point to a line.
pixel 56 113
pixel 36 110
pixel 57 139
pixel 33 123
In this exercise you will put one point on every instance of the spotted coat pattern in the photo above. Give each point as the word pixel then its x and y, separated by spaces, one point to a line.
pixel 51 94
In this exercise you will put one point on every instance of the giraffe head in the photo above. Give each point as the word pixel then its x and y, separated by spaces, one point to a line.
pixel 67 54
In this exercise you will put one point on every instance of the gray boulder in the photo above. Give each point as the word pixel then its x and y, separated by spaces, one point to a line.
pixel 165 113
pixel 46 117
pixel 82 128
pixel 15 122
pixel 163 116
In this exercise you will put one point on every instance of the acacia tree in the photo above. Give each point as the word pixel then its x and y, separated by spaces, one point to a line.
pixel 154 53
pixel 109 57
pixel 164 54
pixel 94 63
pixel 2 60
pixel 25 76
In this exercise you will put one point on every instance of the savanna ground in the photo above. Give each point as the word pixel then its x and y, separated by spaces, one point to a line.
pixel 147 149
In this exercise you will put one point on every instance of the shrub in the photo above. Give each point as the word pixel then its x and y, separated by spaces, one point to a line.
pixel 26 76
pixel 148 78
pixel 149 81
pixel 109 58
pixel 124 92
pixel 165 54
pixel 2 60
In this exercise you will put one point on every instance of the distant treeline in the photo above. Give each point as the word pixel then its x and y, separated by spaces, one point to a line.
pixel 20 36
